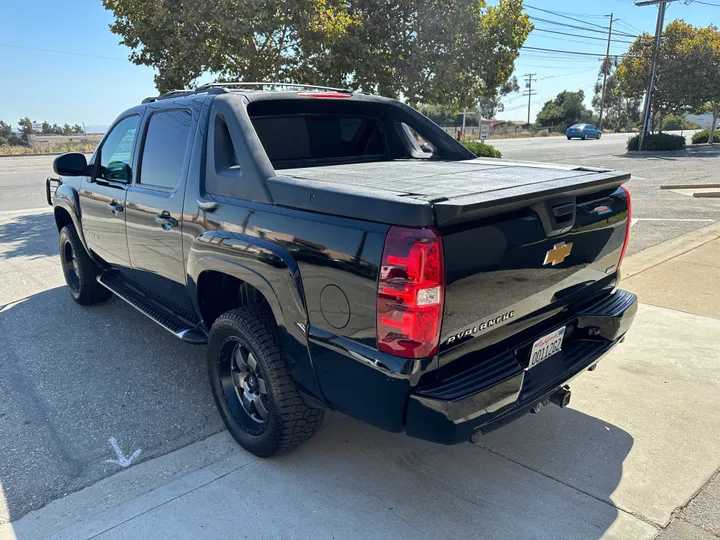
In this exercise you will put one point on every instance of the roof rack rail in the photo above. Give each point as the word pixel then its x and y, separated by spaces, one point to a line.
pixel 265 85
pixel 178 93
pixel 221 88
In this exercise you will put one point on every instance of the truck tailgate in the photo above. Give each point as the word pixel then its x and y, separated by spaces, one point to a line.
pixel 504 268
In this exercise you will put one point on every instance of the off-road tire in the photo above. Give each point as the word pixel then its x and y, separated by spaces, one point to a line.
pixel 81 277
pixel 291 421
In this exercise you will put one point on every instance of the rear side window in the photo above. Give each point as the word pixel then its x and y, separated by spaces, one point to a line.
pixel 314 137
pixel 164 149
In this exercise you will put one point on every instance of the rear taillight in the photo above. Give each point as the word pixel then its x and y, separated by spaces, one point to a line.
pixel 411 290
pixel 627 227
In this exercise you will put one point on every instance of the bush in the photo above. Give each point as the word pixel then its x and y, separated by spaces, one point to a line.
pixel 701 137
pixel 657 142
pixel 482 149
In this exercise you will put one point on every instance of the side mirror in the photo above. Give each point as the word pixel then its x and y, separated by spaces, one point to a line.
pixel 72 164
pixel 426 148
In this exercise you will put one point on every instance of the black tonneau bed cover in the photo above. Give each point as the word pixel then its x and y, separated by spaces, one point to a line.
pixel 423 193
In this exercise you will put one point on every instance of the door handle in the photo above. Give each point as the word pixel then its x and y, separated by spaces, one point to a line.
pixel 115 207
pixel 166 220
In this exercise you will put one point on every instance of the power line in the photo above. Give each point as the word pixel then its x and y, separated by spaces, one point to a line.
pixel 557 14
pixel 62 52
pixel 570 52
pixel 576 35
pixel 629 26
pixel 704 3
pixel 566 74
pixel 585 28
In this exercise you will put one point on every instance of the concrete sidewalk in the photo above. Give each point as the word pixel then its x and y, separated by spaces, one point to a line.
pixel 633 458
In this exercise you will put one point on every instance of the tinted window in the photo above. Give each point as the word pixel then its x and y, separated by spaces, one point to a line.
pixel 163 153
pixel 116 151
pixel 318 137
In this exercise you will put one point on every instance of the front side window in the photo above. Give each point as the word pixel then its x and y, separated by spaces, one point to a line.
pixel 164 149
pixel 116 152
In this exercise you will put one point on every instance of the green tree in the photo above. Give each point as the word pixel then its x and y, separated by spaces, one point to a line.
pixel 46 128
pixel 448 52
pixel 566 109
pixel 7 135
pixel 677 73
pixel 700 57
pixel 25 128
pixel 77 128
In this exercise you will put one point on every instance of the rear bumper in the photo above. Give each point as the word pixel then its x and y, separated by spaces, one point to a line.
pixel 497 390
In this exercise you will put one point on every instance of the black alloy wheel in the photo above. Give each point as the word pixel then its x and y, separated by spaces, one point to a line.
pixel 70 267
pixel 244 386
pixel 80 270
pixel 252 385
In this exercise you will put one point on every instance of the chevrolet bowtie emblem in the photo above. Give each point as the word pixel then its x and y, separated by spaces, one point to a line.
pixel 558 253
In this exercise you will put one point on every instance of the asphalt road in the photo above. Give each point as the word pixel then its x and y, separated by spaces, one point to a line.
pixel 73 378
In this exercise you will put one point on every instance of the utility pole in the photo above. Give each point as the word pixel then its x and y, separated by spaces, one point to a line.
pixel 605 70
pixel 658 40
pixel 529 93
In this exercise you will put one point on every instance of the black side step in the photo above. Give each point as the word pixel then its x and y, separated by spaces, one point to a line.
pixel 175 325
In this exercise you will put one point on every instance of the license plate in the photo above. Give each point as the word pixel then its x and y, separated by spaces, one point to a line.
pixel 546 346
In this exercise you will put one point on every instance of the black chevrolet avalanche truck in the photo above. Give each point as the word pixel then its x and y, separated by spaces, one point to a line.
pixel 338 250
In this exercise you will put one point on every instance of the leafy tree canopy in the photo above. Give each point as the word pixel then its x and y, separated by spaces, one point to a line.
pixel 688 69
pixel 566 109
pixel 447 52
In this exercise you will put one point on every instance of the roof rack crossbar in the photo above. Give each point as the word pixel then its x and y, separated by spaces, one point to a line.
pixel 272 84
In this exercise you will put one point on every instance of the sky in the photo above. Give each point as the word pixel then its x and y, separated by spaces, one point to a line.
pixel 60 63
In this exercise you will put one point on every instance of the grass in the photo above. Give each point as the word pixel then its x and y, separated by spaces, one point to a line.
pixel 20 150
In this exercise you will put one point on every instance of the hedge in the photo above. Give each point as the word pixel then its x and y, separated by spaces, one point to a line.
pixel 701 137
pixel 482 149
pixel 657 142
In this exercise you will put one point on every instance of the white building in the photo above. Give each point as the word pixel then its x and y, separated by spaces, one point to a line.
pixel 703 119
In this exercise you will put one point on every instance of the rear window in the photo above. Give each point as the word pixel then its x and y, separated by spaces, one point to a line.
pixel 319 137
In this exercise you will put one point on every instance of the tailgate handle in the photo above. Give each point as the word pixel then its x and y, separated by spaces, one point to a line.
pixel 557 215
pixel 563 211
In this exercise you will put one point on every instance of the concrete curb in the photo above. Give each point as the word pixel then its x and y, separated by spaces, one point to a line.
pixel 689 186
pixel 655 255
pixel 131 492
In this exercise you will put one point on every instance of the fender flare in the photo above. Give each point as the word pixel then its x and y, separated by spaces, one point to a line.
pixel 67 199
pixel 273 271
